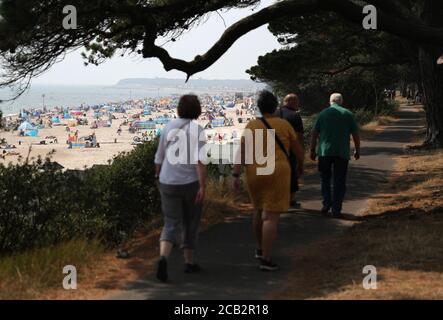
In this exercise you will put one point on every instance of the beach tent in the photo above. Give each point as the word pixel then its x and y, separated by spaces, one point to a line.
pixel 31 133
pixel 67 116
pixel 26 126
pixel 55 120
pixel 29 129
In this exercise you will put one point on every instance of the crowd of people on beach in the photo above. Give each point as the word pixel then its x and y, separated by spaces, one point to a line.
pixel 182 185
pixel 144 118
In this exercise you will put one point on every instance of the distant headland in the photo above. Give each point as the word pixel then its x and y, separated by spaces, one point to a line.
pixel 241 84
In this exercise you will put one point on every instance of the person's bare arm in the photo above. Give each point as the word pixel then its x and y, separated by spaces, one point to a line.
pixel 239 162
pixel 158 168
pixel 202 176
pixel 357 143
pixel 314 139
pixel 159 156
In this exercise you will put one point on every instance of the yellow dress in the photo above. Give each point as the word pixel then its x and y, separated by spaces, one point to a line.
pixel 270 192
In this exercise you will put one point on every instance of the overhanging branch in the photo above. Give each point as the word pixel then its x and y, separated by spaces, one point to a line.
pixel 229 37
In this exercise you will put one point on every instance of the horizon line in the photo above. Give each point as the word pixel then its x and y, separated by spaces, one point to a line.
pixel 140 78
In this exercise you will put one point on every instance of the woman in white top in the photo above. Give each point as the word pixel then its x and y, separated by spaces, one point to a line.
pixel 182 178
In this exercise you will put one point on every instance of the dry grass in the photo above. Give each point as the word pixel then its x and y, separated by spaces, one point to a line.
pixel 371 129
pixel 416 184
pixel 401 235
pixel 223 203
pixel 27 275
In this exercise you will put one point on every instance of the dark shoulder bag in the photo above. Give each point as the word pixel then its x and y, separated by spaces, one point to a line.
pixel 291 159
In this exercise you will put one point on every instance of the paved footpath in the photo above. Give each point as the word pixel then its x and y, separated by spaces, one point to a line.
pixel 226 250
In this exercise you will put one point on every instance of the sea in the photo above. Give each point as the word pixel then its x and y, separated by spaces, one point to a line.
pixel 52 96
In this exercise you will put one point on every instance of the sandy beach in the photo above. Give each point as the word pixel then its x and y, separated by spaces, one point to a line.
pixel 111 142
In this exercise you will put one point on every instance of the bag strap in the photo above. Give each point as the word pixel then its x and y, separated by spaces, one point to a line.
pixel 277 139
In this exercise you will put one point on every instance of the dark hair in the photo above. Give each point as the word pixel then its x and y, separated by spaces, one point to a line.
pixel 267 102
pixel 189 107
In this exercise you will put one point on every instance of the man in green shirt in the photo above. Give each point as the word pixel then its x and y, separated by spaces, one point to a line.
pixel 333 129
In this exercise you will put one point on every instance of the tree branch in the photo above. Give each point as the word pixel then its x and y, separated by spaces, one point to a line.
pixel 229 37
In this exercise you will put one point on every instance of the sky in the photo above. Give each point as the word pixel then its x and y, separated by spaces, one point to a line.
pixel 232 65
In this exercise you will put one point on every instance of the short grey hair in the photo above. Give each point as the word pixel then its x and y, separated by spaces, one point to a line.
pixel 336 98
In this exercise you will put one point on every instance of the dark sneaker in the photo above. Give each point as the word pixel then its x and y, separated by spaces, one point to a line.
pixel 258 254
pixel 337 216
pixel 192 268
pixel 267 265
pixel 325 209
pixel 162 270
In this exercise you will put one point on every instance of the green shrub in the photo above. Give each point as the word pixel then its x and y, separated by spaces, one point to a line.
pixel 31 202
pixel 125 193
pixel 40 205
pixel 389 107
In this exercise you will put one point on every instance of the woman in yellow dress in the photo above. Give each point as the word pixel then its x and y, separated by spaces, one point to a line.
pixel 269 191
